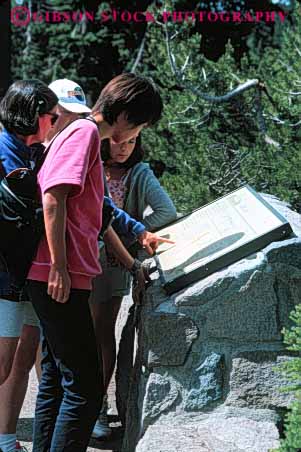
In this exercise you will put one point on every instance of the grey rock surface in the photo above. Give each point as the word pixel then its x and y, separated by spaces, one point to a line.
pixel 207 384
pixel 161 393
pixel 255 381
pixel 216 434
pixel 226 319
pixel 171 341
pixel 204 376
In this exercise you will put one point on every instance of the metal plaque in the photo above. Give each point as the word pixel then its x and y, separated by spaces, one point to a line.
pixel 217 235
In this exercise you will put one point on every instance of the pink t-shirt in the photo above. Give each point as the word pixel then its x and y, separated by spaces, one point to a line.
pixel 74 159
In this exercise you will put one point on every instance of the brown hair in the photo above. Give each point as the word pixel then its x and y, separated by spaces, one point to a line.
pixel 135 157
pixel 133 95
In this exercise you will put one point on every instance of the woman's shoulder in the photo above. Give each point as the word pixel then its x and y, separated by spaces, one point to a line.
pixel 142 168
pixel 84 123
pixel 83 128
pixel 81 124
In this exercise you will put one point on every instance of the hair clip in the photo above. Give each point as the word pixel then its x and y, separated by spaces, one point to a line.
pixel 40 102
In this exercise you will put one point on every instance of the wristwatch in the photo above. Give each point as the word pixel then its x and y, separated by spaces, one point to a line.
pixel 135 267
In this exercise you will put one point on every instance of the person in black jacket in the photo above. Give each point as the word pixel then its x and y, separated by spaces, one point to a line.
pixel 27 113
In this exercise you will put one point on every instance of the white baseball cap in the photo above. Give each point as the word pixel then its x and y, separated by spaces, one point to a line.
pixel 71 96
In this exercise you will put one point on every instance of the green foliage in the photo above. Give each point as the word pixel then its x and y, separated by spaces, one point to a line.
pixel 292 370
pixel 89 52
pixel 218 147
pixel 212 148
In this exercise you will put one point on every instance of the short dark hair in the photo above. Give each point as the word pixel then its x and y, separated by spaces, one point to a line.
pixel 134 95
pixel 23 103
pixel 135 157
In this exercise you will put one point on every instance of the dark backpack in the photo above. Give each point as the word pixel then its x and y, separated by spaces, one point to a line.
pixel 21 224
pixel 21 228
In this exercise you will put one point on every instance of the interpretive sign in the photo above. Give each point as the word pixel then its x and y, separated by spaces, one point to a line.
pixel 217 235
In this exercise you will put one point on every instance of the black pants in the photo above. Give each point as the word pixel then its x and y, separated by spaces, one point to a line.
pixel 70 392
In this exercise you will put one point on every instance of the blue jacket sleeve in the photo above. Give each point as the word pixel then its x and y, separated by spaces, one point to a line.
pixel 125 226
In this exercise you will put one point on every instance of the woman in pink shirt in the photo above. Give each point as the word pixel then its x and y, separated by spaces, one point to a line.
pixel 71 184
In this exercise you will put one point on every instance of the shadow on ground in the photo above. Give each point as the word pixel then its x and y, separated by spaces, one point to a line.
pixel 112 444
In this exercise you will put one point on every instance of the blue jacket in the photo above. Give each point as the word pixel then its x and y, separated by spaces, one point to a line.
pixel 146 199
pixel 144 190
pixel 13 152
pixel 124 224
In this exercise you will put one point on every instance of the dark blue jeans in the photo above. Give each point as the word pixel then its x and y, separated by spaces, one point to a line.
pixel 70 391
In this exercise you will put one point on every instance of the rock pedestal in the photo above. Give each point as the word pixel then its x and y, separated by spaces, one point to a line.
pixel 205 376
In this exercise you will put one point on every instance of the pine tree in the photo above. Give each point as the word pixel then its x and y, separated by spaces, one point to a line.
pixel 292 371
pixel 217 147
pixel 210 148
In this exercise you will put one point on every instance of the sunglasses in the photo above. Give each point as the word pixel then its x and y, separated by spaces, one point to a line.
pixel 54 117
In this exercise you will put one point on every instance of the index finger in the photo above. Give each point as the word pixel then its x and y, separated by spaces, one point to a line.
pixel 163 240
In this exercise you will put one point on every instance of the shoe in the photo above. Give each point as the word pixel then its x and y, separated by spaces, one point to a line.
pixel 20 448
pixel 111 412
pixel 102 428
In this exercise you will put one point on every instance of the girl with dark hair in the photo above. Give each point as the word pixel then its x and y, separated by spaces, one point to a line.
pixel 135 189
pixel 131 96
pixel 27 113
pixel 60 278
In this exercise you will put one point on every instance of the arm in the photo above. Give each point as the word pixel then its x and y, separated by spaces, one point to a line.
pixel 55 212
pixel 139 272
pixel 114 243
pixel 163 209
pixel 132 230
pixel 62 176
pixel 150 241
pixel 125 225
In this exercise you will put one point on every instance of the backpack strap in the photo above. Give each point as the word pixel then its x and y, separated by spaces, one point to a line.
pixel 2 172
pixel 90 118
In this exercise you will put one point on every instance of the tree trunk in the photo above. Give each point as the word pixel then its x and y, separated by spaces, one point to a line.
pixel 5 75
